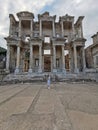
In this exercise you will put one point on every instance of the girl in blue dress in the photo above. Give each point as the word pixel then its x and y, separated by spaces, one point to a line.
pixel 48 82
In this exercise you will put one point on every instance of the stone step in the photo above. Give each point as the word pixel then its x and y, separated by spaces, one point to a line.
pixel 37 78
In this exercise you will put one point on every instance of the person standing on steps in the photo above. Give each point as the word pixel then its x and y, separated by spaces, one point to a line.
pixel 48 82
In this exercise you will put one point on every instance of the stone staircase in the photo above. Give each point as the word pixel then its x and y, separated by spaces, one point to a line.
pixel 22 78
pixel 42 77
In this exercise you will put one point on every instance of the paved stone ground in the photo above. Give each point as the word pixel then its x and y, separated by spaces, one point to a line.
pixel 72 106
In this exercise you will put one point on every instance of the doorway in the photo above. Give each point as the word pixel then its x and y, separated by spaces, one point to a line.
pixel 26 65
pixel 47 64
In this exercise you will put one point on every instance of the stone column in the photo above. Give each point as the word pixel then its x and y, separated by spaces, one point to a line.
pixel 40 27
pixel 53 25
pixel 62 27
pixel 54 59
pixel 63 60
pixel 40 59
pixel 31 58
pixel 71 60
pixel 83 58
pixel 8 58
pixel 75 60
pixel 18 59
pixel 31 28
pixel 19 28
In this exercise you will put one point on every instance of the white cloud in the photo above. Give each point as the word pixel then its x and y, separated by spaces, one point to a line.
pixel 89 9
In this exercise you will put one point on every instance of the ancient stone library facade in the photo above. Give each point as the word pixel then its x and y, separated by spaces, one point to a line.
pixel 37 46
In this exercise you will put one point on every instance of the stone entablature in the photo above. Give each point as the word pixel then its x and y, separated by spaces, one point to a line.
pixel 28 40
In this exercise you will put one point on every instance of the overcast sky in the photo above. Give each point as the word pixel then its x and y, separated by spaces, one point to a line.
pixel 76 8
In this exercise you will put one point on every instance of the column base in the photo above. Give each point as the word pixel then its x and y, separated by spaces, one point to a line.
pixel 7 71
pixel 64 71
pixel 84 70
pixel 16 70
pixel 54 70
pixel 40 71
pixel 76 71
pixel 30 71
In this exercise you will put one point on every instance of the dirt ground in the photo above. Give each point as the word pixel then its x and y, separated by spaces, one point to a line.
pixel 65 106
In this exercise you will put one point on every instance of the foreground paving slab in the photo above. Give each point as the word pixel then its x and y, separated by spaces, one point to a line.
pixel 83 121
pixel 63 107
pixel 18 103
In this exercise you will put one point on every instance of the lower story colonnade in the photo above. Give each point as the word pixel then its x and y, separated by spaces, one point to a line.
pixel 39 58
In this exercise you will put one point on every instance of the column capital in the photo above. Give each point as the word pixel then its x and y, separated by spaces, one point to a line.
pixel 63 45
pixel 18 45
pixel 40 45
pixel 75 45
pixel 54 45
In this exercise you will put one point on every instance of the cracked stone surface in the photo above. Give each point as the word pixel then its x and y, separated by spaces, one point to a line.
pixel 29 106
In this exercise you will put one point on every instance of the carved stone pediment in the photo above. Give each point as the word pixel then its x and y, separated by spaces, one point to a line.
pixel 66 18
pixel 45 16
pixel 25 14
